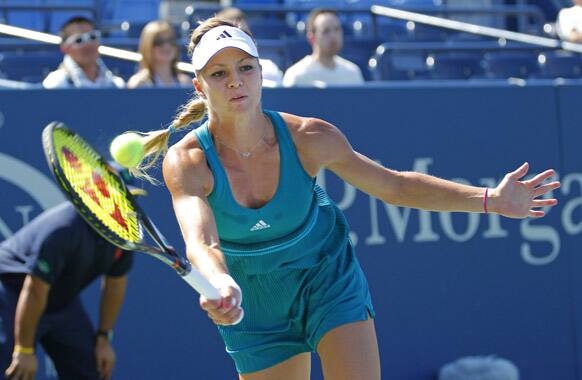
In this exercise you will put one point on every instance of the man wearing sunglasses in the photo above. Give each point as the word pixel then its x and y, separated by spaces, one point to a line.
pixel 81 66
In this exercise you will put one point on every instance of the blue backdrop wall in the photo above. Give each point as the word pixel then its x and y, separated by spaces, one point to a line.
pixel 444 285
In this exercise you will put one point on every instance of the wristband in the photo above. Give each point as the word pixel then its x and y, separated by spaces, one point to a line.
pixel 23 350
pixel 485 200
pixel 108 334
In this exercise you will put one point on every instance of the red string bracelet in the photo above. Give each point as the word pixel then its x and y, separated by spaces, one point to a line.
pixel 485 200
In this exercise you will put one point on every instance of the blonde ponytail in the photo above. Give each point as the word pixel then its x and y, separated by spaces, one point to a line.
pixel 156 142
pixel 191 112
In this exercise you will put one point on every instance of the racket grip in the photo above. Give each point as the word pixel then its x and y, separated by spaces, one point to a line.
pixel 201 284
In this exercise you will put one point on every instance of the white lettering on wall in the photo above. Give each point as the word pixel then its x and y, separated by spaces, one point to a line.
pixel 397 216
pixel 568 209
pixel 534 233
pixel 25 212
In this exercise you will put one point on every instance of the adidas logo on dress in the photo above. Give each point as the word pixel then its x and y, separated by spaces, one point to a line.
pixel 223 35
pixel 261 225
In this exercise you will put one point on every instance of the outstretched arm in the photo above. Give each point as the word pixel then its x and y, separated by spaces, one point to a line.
pixel 512 197
pixel 189 181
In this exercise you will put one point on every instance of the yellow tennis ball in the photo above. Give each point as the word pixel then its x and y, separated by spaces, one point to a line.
pixel 127 149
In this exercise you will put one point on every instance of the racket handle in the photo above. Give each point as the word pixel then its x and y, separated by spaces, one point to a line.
pixel 201 285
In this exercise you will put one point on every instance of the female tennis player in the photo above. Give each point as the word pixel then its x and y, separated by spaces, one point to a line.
pixel 244 194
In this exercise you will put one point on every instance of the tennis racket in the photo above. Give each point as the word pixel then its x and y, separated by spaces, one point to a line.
pixel 102 198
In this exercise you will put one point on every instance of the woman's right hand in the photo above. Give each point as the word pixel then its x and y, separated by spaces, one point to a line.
pixel 23 367
pixel 227 310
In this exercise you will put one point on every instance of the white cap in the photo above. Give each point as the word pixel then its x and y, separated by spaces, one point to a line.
pixel 219 38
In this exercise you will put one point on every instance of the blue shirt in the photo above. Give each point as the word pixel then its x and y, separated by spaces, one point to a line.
pixel 60 248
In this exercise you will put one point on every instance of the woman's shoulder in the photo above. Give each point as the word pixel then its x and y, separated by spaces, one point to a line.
pixel 307 131
pixel 316 140
pixel 187 150
pixel 305 125
pixel 185 163
pixel 139 79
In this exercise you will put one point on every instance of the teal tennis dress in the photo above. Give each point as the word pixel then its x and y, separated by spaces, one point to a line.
pixel 292 258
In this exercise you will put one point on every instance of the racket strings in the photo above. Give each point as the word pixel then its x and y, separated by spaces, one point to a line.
pixel 101 191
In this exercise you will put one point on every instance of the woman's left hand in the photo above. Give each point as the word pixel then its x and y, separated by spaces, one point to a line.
pixel 519 199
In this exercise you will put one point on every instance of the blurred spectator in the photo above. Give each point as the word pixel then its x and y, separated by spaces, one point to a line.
pixel 81 66
pixel 569 24
pixel 479 368
pixel 323 67
pixel 159 49
pixel 272 75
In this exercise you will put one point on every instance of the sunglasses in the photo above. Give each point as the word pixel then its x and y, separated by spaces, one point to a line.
pixel 83 38
pixel 158 41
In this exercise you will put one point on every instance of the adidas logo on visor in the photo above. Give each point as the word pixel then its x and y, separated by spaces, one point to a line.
pixel 219 38
pixel 224 34
pixel 261 225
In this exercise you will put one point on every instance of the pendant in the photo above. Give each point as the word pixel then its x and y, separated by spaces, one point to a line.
pixel 245 154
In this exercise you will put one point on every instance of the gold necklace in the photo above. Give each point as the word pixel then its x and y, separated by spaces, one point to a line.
pixel 248 153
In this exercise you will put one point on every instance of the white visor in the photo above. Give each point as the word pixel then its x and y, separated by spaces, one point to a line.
pixel 219 38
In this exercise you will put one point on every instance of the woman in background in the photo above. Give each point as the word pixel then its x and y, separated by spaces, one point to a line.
pixel 159 49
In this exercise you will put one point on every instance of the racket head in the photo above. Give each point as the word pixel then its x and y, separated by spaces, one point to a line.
pixel 93 186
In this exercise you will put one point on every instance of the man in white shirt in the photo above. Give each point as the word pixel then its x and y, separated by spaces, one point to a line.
pixel 323 67
pixel 569 24
pixel 81 66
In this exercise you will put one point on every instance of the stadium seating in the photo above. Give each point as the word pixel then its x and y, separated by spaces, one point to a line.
pixel 560 65
pixel 397 65
pixel 57 18
pixel 32 67
pixel 25 19
pixel 275 51
pixel 121 67
pixel 422 52
pixel 241 2
pixel 126 18
pixel 28 66
pixel 505 64
pixel 296 48
pixel 359 51
pixel 135 10
pixel 359 25
pixel 133 28
pixel 458 65
pixel 270 28
pixel 388 29
pixel 420 32
pixel 45 15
